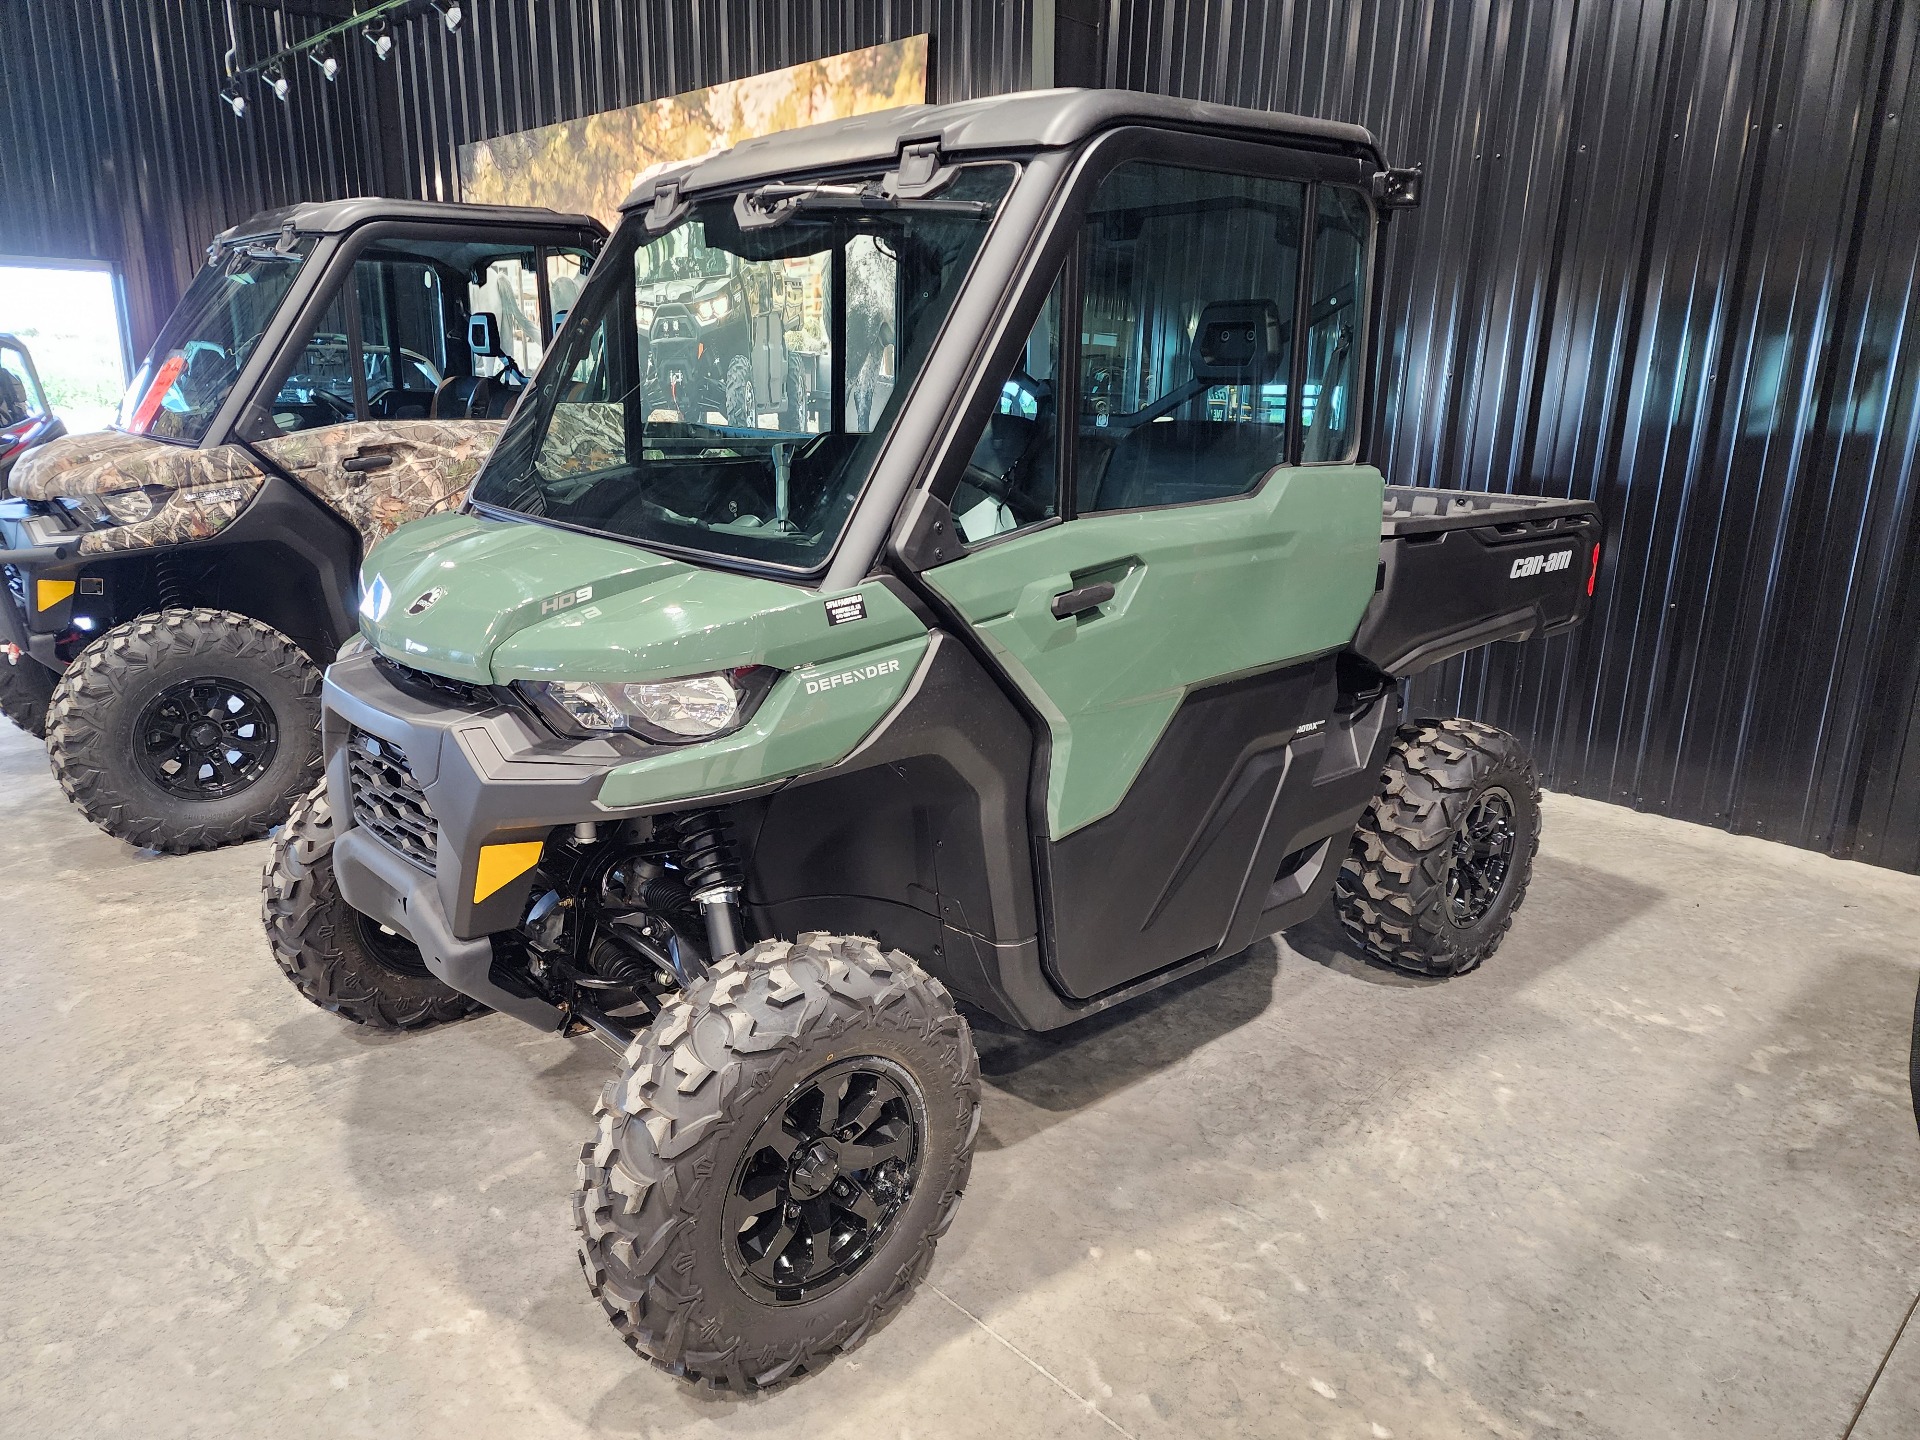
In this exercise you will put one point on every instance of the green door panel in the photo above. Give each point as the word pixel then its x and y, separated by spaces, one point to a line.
pixel 812 717
pixel 1202 592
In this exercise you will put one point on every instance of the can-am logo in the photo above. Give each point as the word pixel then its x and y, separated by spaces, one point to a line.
pixel 853 676
pixel 1528 565
pixel 566 601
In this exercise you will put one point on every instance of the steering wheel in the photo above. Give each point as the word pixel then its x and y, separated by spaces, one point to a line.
pixel 1025 509
pixel 342 410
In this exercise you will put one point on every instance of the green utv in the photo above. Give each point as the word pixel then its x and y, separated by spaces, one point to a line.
pixel 1058 659
pixel 333 370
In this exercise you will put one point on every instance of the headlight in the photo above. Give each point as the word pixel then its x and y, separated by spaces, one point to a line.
pixel 122 507
pixel 713 308
pixel 672 712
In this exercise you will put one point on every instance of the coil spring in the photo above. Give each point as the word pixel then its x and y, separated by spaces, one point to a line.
pixel 167 582
pixel 706 855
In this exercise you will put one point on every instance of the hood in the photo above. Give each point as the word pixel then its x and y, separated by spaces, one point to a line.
pixel 107 461
pixel 493 601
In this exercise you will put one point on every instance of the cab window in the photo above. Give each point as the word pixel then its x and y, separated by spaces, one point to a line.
pixel 1186 335
pixel 423 330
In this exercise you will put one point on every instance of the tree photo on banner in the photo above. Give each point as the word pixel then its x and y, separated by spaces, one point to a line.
pixel 590 165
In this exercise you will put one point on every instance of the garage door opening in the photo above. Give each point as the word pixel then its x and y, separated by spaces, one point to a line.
pixel 69 316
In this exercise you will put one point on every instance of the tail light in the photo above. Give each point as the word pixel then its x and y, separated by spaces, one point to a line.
pixel 1593 574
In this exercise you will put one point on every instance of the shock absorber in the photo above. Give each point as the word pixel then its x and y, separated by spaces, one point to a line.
pixel 707 863
pixel 166 582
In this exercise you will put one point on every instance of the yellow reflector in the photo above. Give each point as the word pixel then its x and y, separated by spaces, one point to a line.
pixel 51 592
pixel 502 864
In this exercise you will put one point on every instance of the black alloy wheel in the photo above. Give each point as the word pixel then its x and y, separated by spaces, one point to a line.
pixel 206 738
pixel 826 1175
pixel 1482 855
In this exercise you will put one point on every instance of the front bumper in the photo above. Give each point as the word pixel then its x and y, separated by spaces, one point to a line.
pixel 488 775
pixel 33 614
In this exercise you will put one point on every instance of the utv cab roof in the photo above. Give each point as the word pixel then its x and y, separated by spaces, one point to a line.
pixel 1032 120
pixel 333 217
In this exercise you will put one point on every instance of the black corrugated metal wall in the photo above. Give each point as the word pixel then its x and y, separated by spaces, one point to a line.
pixel 1668 260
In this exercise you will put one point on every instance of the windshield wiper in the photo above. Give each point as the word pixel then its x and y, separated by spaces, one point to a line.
pixel 778 201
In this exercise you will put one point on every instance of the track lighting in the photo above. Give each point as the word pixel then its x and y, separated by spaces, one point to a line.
pixel 380 37
pixel 276 79
pixel 450 13
pixel 323 56
pixel 230 92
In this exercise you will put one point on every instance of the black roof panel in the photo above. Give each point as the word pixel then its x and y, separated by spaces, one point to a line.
pixel 1030 120
pixel 331 217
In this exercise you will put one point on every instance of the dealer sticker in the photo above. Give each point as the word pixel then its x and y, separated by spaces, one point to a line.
pixel 845 608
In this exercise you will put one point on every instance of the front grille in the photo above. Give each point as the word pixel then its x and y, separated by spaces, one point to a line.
pixel 389 801
pixel 441 689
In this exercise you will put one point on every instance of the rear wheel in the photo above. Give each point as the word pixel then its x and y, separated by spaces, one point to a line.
pixel 341 960
pixel 773 1167
pixel 1440 862
pixel 26 689
pixel 187 730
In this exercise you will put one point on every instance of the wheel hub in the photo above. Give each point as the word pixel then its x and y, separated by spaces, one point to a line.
pixel 206 738
pixel 814 1170
pixel 1482 856
pixel 823 1180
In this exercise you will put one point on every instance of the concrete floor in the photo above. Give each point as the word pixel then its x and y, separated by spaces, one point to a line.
pixel 1652 1173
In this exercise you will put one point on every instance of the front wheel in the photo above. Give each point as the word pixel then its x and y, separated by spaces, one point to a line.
pixel 187 730
pixel 341 960
pixel 1440 861
pixel 772 1169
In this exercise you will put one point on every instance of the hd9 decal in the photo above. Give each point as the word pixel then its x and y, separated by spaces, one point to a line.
pixel 1530 565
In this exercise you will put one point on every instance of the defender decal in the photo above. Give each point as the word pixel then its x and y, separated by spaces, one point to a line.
pixel 853 676
pixel 553 604
pixel 1528 566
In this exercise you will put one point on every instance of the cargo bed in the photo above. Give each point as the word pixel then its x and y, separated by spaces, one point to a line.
pixel 1464 568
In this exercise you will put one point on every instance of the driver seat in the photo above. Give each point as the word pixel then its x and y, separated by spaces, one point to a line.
pixel 471 397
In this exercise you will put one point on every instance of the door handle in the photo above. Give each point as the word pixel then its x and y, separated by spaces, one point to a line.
pixel 1075 602
pixel 362 462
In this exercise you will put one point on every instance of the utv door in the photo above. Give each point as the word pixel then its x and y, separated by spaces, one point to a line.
pixel 1171 614
pixel 401 375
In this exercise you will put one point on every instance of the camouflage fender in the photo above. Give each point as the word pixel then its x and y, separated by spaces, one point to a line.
pixel 196 512
pixel 208 487
pixel 108 461
pixel 432 463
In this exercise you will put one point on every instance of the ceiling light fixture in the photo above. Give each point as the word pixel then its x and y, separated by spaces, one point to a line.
pixel 380 37
pixel 230 92
pixel 329 63
pixel 450 13
pixel 276 79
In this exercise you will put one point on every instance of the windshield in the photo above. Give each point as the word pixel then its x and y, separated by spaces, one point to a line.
pixel 724 387
pixel 207 339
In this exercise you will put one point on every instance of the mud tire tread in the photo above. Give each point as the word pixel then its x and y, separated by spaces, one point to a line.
pixel 309 929
pixel 26 692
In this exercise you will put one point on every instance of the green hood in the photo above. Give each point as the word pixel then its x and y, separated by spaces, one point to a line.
pixel 524 601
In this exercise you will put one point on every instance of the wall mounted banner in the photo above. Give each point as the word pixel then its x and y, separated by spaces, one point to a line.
pixel 591 165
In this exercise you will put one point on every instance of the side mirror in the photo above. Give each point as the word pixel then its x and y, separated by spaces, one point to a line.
pixel 483 334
